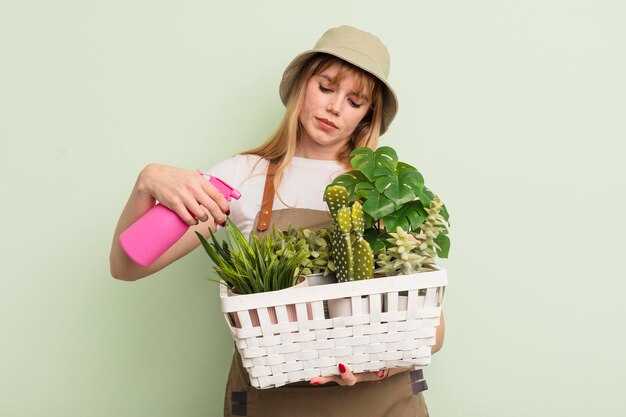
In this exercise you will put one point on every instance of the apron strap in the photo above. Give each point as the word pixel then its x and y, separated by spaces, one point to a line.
pixel 268 198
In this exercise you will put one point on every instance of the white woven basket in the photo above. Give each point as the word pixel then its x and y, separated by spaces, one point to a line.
pixel 287 336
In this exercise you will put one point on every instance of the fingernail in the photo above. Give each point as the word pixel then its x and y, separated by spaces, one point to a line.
pixel 314 383
pixel 381 373
pixel 227 212
pixel 223 223
pixel 342 368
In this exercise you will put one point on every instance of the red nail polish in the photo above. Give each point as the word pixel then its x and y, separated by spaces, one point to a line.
pixel 223 223
pixel 227 212
pixel 381 373
pixel 342 368
pixel 315 383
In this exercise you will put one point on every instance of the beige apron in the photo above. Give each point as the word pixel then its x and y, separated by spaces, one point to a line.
pixel 397 396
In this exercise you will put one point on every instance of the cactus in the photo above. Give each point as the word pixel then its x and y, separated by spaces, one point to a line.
pixel 352 255
pixel 336 197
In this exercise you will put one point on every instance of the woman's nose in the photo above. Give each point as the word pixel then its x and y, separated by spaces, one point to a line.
pixel 333 107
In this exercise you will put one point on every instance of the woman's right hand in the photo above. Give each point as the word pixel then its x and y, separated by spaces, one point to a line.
pixel 184 192
pixel 188 194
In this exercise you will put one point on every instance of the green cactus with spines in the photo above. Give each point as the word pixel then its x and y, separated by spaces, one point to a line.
pixel 358 222
pixel 363 260
pixel 344 259
pixel 352 255
pixel 336 197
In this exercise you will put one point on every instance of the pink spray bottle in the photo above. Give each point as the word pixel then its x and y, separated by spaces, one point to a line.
pixel 159 228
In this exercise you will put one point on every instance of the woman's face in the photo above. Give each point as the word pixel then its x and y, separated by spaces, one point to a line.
pixel 330 113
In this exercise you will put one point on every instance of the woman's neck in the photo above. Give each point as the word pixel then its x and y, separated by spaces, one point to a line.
pixel 315 152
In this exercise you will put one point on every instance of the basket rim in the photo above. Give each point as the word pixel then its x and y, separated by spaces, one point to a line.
pixel 232 303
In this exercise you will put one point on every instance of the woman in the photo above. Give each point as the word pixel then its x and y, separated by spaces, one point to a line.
pixel 337 98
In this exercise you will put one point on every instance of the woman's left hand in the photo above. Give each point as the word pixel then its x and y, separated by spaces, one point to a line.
pixel 348 378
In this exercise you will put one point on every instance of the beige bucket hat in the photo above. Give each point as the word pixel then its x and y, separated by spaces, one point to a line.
pixel 359 48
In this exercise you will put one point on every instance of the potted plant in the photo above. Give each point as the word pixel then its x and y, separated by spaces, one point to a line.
pixel 392 194
pixel 250 266
pixel 314 243
pixel 402 223
pixel 352 255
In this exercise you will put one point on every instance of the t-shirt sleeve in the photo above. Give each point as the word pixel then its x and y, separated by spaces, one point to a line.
pixel 236 169
pixel 227 171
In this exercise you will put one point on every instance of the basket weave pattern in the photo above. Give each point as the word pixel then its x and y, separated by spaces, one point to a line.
pixel 287 336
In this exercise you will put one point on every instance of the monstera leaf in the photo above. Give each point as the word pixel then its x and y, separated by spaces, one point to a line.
pixel 362 189
pixel 374 163
pixel 409 217
pixel 443 241
pixel 350 180
pixel 375 238
pixel 426 196
pixel 410 178
pixel 394 190
pixel 377 205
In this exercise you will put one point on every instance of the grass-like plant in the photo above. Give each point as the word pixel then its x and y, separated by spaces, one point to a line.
pixel 249 266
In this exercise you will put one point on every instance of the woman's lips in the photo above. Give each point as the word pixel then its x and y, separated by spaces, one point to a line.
pixel 326 124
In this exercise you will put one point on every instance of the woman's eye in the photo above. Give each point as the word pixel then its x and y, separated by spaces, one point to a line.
pixel 325 89
pixel 355 104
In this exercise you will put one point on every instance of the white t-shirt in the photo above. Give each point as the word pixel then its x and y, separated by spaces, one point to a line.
pixel 302 186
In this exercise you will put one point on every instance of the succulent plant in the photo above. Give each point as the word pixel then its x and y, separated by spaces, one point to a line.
pixel 413 251
pixel 351 253
pixel 314 243
pixel 399 258
pixel 429 233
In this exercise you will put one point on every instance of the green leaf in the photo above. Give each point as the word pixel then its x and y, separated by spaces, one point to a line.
pixel 426 196
pixel 362 189
pixel 348 180
pixel 253 266
pixel 386 160
pixel 369 221
pixel 444 213
pixel 408 217
pixel 410 177
pixel 377 205
pixel 363 159
pixel 443 241
pixel 374 164
pixel 375 239
pixel 392 188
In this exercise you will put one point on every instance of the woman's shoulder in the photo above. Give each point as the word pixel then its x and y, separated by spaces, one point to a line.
pixel 236 168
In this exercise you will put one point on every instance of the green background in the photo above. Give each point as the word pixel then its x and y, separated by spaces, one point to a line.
pixel 514 111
